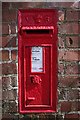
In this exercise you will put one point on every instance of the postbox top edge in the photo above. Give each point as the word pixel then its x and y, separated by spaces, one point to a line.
pixel 37 17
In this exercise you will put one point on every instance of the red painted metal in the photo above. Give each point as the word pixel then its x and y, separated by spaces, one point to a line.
pixel 37 90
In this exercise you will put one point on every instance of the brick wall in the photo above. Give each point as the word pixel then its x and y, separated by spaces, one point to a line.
pixel 68 107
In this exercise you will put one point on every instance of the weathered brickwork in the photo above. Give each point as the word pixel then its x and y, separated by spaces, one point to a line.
pixel 68 104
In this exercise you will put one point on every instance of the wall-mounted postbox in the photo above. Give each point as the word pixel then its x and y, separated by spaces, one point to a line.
pixel 37 36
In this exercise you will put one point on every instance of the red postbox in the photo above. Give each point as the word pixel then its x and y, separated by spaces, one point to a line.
pixel 37 58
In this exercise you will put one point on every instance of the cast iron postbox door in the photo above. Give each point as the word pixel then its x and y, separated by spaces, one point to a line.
pixel 37 60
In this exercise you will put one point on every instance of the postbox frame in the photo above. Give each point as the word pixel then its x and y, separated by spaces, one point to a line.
pixel 21 69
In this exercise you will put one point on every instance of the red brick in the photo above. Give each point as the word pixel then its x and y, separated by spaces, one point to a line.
pixel 9 94
pixel 5 28
pixel 8 41
pixel 5 95
pixel 65 4
pixel 61 4
pixel 67 81
pixel 73 94
pixel 26 5
pixel 72 116
pixel 72 68
pixel 9 15
pixel 14 54
pixel 72 42
pixel 5 83
pixel 5 5
pixel 65 106
pixel 69 55
pixel 69 28
pixel 72 15
pixel 12 94
pixel 9 68
pixel 4 54
pixel 75 106
pixel 19 5
pixel 9 81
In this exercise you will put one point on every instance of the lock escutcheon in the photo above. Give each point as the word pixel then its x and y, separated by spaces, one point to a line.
pixel 35 79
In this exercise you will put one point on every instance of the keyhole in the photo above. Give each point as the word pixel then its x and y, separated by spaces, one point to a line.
pixel 32 77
